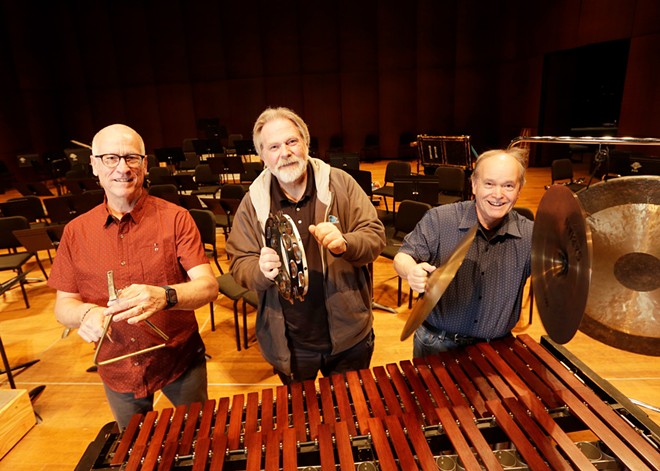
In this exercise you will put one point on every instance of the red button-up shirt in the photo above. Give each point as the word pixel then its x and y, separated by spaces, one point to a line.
pixel 155 244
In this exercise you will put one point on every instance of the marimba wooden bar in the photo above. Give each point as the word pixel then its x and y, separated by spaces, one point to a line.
pixel 509 404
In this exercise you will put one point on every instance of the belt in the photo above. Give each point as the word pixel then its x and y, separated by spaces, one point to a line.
pixel 458 339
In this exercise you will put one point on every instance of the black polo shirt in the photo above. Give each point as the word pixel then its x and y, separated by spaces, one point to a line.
pixel 307 320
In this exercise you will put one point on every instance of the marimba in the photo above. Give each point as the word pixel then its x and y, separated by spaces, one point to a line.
pixel 508 404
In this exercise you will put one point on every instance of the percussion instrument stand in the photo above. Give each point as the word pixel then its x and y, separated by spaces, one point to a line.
pixel 374 304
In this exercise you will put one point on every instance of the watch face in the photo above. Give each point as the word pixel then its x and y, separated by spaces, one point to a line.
pixel 172 299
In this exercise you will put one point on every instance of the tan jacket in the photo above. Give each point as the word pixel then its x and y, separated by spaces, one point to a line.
pixel 348 291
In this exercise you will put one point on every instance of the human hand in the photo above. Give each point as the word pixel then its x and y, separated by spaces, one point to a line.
pixel 330 237
pixel 136 303
pixel 91 326
pixel 269 263
pixel 418 275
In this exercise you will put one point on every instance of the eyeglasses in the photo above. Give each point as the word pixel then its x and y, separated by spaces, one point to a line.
pixel 112 160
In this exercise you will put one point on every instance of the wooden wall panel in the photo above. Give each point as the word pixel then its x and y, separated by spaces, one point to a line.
pixel 605 20
pixel 350 68
pixel 322 108
pixel 210 100
pixel 205 46
pixel 640 109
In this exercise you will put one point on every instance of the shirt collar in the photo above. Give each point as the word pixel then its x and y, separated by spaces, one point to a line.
pixel 279 195
pixel 136 214
pixel 509 225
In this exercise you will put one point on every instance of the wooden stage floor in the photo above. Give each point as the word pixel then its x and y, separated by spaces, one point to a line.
pixel 73 407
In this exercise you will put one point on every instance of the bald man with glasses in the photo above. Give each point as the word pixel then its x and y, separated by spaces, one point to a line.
pixel 160 274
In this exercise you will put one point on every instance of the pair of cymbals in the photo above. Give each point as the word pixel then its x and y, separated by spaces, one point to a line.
pixel 561 267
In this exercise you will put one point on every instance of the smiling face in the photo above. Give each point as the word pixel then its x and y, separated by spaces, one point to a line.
pixel 284 152
pixel 122 183
pixel 496 185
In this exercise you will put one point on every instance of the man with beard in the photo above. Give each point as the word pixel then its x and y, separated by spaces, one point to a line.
pixel 330 328
pixel 483 300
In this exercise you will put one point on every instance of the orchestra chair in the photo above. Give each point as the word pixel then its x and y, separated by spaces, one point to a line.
pixel 168 192
pixel 60 209
pixel 191 159
pixel 251 170
pixel 231 196
pixel 249 297
pixel 363 178
pixel 160 176
pixel 561 171
pixel 205 222
pixel 371 149
pixel 228 287
pixel 28 206
pixel 529 214
pixel 185 183
pixel 190 202
pixel 35 240
pixel 221 218
pixel 451 184
pixel 208 182
pixel 15 260
pixel 393 170
pixel 410 213
pixel 87 200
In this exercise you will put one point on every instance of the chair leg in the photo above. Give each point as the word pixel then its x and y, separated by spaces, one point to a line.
pixel 245 329
pixel 410 299
pixel 22 282
pixel 398 295
pixel 212 317
pixel 531 304
pixel 236 329
pixel 41 266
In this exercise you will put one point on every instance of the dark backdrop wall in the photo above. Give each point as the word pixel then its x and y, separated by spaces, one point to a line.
pixel 348 67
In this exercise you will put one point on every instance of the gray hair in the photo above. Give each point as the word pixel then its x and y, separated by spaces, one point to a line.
pixel 271 114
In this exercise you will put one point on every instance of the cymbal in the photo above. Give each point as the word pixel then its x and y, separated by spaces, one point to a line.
pixel 436 284
pixel 624 299
pixel 561 262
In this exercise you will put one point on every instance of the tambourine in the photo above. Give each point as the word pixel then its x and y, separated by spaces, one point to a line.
pixel 283 237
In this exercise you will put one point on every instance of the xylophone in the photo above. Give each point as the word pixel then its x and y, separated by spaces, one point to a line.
pixel 508 404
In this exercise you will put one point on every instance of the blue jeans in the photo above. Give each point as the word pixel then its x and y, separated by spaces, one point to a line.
pixel 427 343
pixel 190 387
pixel 305 364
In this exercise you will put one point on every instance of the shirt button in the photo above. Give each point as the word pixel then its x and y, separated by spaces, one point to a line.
pixel 137 363
pixel 121 236
pixel 132 340
pixel 299 221
pixel 297 209
pixel 483 272
pixel 122 263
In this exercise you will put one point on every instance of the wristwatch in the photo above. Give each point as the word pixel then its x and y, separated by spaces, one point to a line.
pixel 170 296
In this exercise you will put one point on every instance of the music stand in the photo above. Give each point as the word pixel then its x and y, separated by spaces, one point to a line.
pixel 345 160
pixel 207 146
pixel 170 155
pixel 26 160
pixel 244 147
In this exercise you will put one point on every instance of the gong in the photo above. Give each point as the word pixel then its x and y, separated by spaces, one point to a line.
pixel 623 306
